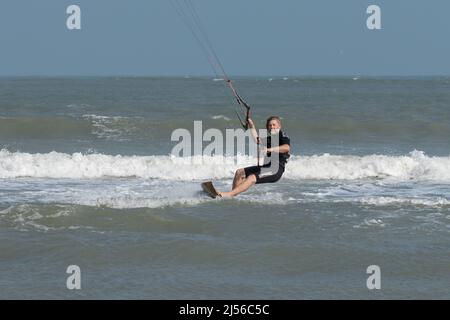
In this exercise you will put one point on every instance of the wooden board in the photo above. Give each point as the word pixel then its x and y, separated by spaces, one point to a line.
pixel 209 189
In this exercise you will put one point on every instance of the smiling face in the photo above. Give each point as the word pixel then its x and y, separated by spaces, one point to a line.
pixel 273 125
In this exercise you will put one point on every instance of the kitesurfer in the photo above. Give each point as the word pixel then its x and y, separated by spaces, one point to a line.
pixel 275 159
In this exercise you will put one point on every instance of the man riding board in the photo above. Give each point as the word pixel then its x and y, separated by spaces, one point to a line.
pixel 276 157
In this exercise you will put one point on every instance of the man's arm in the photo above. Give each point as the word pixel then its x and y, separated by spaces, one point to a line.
pixel 285 148
pixel 253 131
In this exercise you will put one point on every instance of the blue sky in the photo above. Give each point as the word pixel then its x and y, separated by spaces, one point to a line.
pixel 252 37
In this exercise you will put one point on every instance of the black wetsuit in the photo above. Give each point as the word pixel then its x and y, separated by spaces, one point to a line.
pixel 273 167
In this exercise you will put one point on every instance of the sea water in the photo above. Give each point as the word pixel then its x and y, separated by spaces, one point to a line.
pixel 87 178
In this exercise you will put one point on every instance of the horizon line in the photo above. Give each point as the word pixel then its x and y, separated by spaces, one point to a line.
pixel 222 77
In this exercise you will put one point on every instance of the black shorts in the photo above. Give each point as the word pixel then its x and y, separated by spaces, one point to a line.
pixel 264 174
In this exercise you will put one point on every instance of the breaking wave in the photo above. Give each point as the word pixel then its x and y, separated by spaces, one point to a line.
pixel 414 166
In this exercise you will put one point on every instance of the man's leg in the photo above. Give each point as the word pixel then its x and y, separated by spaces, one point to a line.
pixel 239 177
pixel 247 183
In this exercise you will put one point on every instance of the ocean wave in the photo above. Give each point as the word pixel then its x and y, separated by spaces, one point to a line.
pixel 377 201
pixel 220 116
pixel 113 128
pixel 43 127
pixel 103 127
pixel 414 166
pixel 402 201
pixel 85 166
pixel 127 128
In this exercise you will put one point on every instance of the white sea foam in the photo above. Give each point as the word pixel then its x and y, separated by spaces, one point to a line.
pixel 386 201
pixel 415 166
pixel 25 217
pixel 216 117
pixel 77 165
pixel 379 201
pixel 105 127
pixel 370 223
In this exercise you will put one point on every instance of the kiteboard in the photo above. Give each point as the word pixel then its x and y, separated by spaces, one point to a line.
pixel 209 189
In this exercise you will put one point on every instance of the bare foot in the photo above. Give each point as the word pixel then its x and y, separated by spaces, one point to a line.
pixel 224 194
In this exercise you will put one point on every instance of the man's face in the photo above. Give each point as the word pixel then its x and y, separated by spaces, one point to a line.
pixel 274 126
